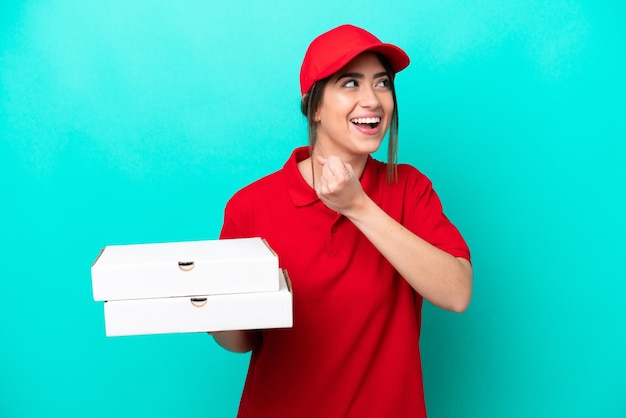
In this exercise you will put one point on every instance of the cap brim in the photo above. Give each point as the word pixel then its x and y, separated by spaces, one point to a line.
pixel 398 59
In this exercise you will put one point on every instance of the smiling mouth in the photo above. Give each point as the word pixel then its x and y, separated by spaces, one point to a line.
pixel 372 122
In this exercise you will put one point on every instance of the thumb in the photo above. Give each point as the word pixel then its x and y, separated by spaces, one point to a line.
pixel 321 160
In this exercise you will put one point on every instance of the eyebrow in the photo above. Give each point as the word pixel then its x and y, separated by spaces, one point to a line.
pixel 360 76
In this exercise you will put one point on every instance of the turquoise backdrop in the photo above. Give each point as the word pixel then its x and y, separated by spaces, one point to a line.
pixel 134 121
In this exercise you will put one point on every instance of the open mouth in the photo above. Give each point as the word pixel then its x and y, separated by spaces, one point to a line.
pixel 371 122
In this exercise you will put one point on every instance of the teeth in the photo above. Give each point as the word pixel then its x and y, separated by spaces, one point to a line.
pixel 365 120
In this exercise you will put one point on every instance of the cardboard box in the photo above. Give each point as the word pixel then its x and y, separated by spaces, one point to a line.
pixel 146 271
pixel 242 311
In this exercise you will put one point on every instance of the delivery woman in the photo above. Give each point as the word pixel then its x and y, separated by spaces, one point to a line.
pixel 363 242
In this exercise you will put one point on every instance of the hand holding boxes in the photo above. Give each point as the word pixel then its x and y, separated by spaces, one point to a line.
pixel 194 286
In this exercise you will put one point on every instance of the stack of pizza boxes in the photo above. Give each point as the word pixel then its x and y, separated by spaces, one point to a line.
pixel 196 286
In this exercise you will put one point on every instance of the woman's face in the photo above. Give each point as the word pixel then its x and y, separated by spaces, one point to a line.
pixel 356 108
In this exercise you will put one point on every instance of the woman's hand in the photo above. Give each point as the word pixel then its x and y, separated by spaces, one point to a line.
pixel 338 186
pixel 237 341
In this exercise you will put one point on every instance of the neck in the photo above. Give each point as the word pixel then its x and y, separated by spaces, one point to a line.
pixel 311 169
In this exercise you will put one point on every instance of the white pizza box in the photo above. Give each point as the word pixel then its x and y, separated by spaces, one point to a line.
pixel 143 271
pixel 237 311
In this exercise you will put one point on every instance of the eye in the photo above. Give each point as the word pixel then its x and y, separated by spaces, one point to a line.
pixel 384 83
pixel 350 83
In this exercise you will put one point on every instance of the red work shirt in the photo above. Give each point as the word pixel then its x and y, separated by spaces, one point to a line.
pixel 353 350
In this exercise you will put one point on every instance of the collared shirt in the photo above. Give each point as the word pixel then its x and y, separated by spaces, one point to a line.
pixel 354 348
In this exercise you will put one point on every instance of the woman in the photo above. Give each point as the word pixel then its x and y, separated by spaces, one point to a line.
pixel 363 243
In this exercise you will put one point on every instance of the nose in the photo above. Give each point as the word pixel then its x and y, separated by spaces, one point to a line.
pixel 369 98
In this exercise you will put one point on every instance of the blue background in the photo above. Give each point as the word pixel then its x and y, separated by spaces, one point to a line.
pixel 128 122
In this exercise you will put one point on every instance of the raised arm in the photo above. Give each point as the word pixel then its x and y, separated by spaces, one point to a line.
pixel 442 279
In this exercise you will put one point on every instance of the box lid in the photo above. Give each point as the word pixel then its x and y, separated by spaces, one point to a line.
pixel 173 269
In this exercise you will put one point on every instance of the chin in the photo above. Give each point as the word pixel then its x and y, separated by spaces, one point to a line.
pixel 369 146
